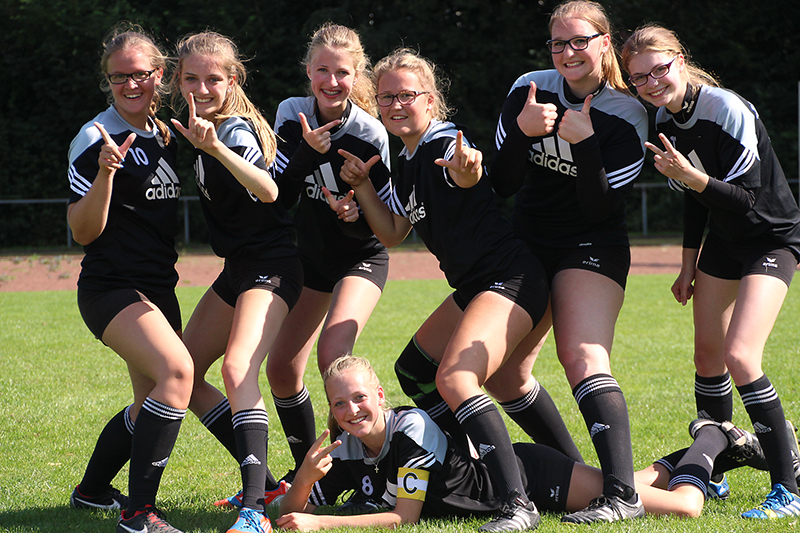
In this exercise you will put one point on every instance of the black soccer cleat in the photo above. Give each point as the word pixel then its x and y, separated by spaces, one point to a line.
pixel 606 509
pixel 743 446
pixel 515 515
pixel 109 500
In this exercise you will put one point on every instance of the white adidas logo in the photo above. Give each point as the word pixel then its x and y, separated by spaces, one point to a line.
pixel 758 427
pixel 597 427
pixel 484 449
pixel 165 183
pixel 160 464
pixel 291 439
pixel 250 460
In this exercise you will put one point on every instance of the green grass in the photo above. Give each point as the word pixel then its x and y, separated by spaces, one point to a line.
pixel 58 387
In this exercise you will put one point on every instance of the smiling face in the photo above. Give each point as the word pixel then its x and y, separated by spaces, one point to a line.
pixel 132 99
pixel 202 76
pixel 332 73
pixel 668 90
pixel 356 403
pixel 583 69
pixel 407 121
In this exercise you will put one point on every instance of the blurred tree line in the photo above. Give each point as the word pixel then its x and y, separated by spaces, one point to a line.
pixel 51 50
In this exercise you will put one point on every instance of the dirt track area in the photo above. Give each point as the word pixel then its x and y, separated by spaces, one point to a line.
pixel 60 272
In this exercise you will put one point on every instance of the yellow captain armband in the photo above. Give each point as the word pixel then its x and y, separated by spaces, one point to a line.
pixel 412 483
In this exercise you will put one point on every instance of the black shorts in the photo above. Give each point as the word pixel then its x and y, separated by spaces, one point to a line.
pixel 283 276
pixel 734 261
pixel 323 278
pixel 98 308
pixel 546 474
pixel 613 262
pixel 523 282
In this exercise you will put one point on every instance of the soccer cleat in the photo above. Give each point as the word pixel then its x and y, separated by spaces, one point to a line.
pixel 515 515
pixel 791 433
pixel 606 509
pixel 718 491
pixel 778 504
pixel 743 446
pixel 271 497
pixel 151 520
pixel 358 503
pixel 109 500
pixel 251 521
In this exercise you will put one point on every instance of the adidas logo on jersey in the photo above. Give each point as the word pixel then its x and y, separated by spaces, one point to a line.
pixel 758 427
pixel 322 177
pixel 554 153
pixel 415 212
pixel 597 427
pixel 484 449
pixel 165 183
pixel 161 464
pixel 250 460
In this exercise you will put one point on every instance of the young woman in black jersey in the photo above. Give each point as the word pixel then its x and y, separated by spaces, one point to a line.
pixel 570 142
pixel 344 264
pixel 716 150
pixel 240 315
pixel 501 291
pixel 123 211
pixel 402 461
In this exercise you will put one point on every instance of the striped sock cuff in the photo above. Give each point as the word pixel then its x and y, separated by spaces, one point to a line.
pixel 594 386
pixel 714 387
pixel 760 392
pixel 438 410
pixel 250 416
pixel 666 464
pixel 687 478
pixel 292 401
pixel 215 412
pixel 129 424
pixel 162 410
pixel 520 404
pixel 474 406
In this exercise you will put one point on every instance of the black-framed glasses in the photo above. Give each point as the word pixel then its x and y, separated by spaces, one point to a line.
pixel 138 77
pixel 657 72
pixel 404 97
pixel 556 46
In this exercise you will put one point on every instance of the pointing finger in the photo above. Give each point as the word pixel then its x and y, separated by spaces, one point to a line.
pixel 192 107
pixel 667 144
pixel 372 160
pixel 655 149
pixel 304 123
pixel 330 125
pixel 127 144
pixel 109 141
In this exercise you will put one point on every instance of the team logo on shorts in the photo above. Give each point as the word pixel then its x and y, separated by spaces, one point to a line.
pixel 367 267
pixel 263 279
pixel 555 493
pixel 412 483
pixel 770 262
pixel 592 262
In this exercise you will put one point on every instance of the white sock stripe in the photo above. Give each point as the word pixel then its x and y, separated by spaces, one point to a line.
pixel 129 424
pixel 597 385
pixel 438 410
pixel 520 404
pixel 162 410
pixel 250 416
pixel 215 412
pixel 760 396
pixel 292 401
pixel 719 389
pixel 473 407
pixel 687 478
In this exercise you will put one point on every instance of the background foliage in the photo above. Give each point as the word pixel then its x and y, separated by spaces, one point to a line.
pixel 51 51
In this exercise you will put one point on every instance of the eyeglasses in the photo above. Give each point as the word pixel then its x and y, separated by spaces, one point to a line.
pixel 576 43
pixel 138 77
pixel 659 71
pixel 404 97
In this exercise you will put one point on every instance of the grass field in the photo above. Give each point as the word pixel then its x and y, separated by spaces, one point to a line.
pixel 58 387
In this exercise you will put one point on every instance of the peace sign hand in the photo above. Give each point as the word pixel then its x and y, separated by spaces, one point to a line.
pixel 577 125
pixel 200 132
pixel 354 170
pixel 535 119
pixel 318 460
pixel 669 161
pixel 111 155
pixel 466 166
pixel 346 208
pixel 320 138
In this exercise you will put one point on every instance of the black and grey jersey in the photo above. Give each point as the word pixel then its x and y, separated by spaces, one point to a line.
pixel 303 172
pixel 462 227
pixel 417 461
pixel 137 246
pixel 570 195
pixel 238 222
pixel 721 134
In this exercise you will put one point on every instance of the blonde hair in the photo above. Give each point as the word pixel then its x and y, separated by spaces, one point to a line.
pixel 339 366
pixel 657 39
pixel 127 36
pixel 594 14
pixel 346 40
pixel 223 50
pixel 425 70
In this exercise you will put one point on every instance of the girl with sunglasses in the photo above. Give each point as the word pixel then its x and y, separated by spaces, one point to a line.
pixel 570 143
pixel 716 150
pixel 123 211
